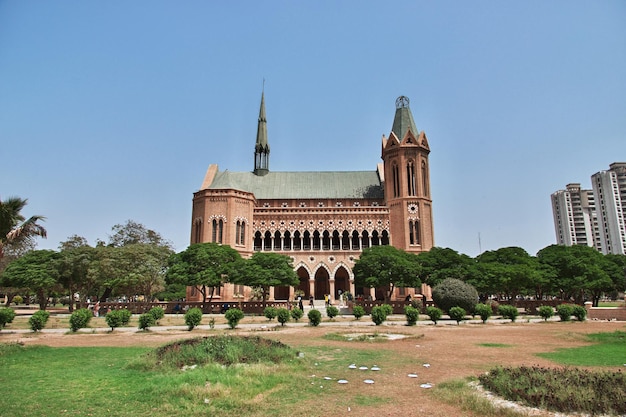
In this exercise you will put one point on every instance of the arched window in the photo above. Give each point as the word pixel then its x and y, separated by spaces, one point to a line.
pixel 325 240
pixel 336 241
pixel 242 236
pixel 237 231
pixel 414 232
pixel 345 240
pixel 198 234
pixel 425 179
pixel 214 231
pixel 395 180
pixel 411 233
pixel 277 240
pixel 258 241
pixel 316 240
pixel 267 241
pixel 220 231
pixel 410 177
pixel 297 241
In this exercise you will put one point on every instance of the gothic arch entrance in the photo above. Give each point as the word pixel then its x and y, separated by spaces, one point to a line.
pixel 304 286
pixel 342 282
pixel 322 283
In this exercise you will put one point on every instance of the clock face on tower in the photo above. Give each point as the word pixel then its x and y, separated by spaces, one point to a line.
pixel 412 208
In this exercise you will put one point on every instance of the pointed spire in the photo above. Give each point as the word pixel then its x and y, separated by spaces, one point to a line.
pixel 403 120
pixel 262 148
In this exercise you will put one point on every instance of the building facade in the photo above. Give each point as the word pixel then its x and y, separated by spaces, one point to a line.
pixel 575 220
pixel 322 220
pixel 593 217
pixel 609 189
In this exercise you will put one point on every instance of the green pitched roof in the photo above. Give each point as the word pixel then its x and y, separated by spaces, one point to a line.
pixel 303 185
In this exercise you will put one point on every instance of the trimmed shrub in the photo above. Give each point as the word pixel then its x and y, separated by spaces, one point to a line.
pixel 193 317
pixel 387 309
pixel 38 320
pixel 358 312
pixel 233 316
pixel 146 321
pixel 80 319
pixel 434 313
pixel 157 312
pixel 379 315
pixel 484 311
pixel 457 313
pixel 579 312
pixel 332 312
pixel 117 318
pixel 283 316
pixel 6 316
pixel 508 312
pixel 18 299
pixel 453 292
pixel 270 312
pixel 297 314
pixel 315 317
pixel 545 312
pixel 565 311
pixel 412 315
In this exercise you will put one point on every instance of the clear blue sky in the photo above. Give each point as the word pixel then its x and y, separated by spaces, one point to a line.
pixel 113 110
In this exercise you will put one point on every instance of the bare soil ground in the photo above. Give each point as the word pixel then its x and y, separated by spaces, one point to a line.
pixel 453 352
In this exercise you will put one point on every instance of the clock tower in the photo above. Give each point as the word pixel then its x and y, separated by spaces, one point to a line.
pixel 407 182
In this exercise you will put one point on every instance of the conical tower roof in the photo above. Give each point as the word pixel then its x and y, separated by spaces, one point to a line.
pixel 261 134
pixel 403 120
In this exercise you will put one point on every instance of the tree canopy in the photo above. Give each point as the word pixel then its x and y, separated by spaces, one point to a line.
pixel 264 270
pixel 386 267
pixel 14 227
pixel 37 271
pixel 204 266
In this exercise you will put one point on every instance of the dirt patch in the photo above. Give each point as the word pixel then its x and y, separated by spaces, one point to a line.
pixel 453 352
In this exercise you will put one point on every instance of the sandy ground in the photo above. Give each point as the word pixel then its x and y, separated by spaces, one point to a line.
pixel 453 352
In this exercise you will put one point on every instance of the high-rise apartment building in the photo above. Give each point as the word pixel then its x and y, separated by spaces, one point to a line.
pixel 609 188
pixel 575 221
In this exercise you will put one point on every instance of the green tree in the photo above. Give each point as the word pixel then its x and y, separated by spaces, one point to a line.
pixel 38 320
pixel 233 316
pixel 283 315
pixel 484 311
pixel 75 261
pixel 386 267
pixel 315 317
pixel 509 272
pixel 131 233
pixel 204 266
pixel 452 292
pixel 14 227
pixel 440 263
pixel 457 314
pixel 36 270
pixel 193 317
pixel 264 270
pixel 578 271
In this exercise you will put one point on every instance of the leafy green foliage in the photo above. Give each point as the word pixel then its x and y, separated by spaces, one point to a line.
pixel 412 315
pixel 264 269
pixel 607 350
pixel 38 320
pixel 508 312
pixel 270 312
pixel 36 270
pixel 296 313
pixel 545 312
pixel 455 293
pixel 358 312
pixel 379 315
pixel 80 319
pixel 484 311
pixel 202 265
pixel 157 313
pixel 6 316
pixel 18 299
pixel 146 321
pixel 193 317
pixel 434 313
pixel 117 318
pixel 233 316
pixel 332 312
pixel 387 309
pixel 565 390
pixel 283 315
pixel 579 312
pixel 225 350
pixel 315 317
pixel 457 314
pixel 386 267
pixel 565 311
pixel 440 263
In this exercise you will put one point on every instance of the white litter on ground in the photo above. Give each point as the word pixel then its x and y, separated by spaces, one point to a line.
pixel 369 381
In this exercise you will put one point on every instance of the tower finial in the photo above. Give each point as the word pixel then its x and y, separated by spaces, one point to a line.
pixel 262 147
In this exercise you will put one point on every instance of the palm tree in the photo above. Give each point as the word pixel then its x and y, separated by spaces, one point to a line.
pixel 14 227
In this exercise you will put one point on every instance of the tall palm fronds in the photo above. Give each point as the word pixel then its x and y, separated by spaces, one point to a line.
pixel 14 226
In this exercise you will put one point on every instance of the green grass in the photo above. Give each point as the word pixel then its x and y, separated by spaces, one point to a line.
pixel 459 393
pixel 608 349
pixel 495 345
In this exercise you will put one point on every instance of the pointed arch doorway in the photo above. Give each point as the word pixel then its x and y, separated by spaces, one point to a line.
pixel 322 283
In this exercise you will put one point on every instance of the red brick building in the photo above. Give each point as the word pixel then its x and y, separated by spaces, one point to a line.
pixel 322 220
